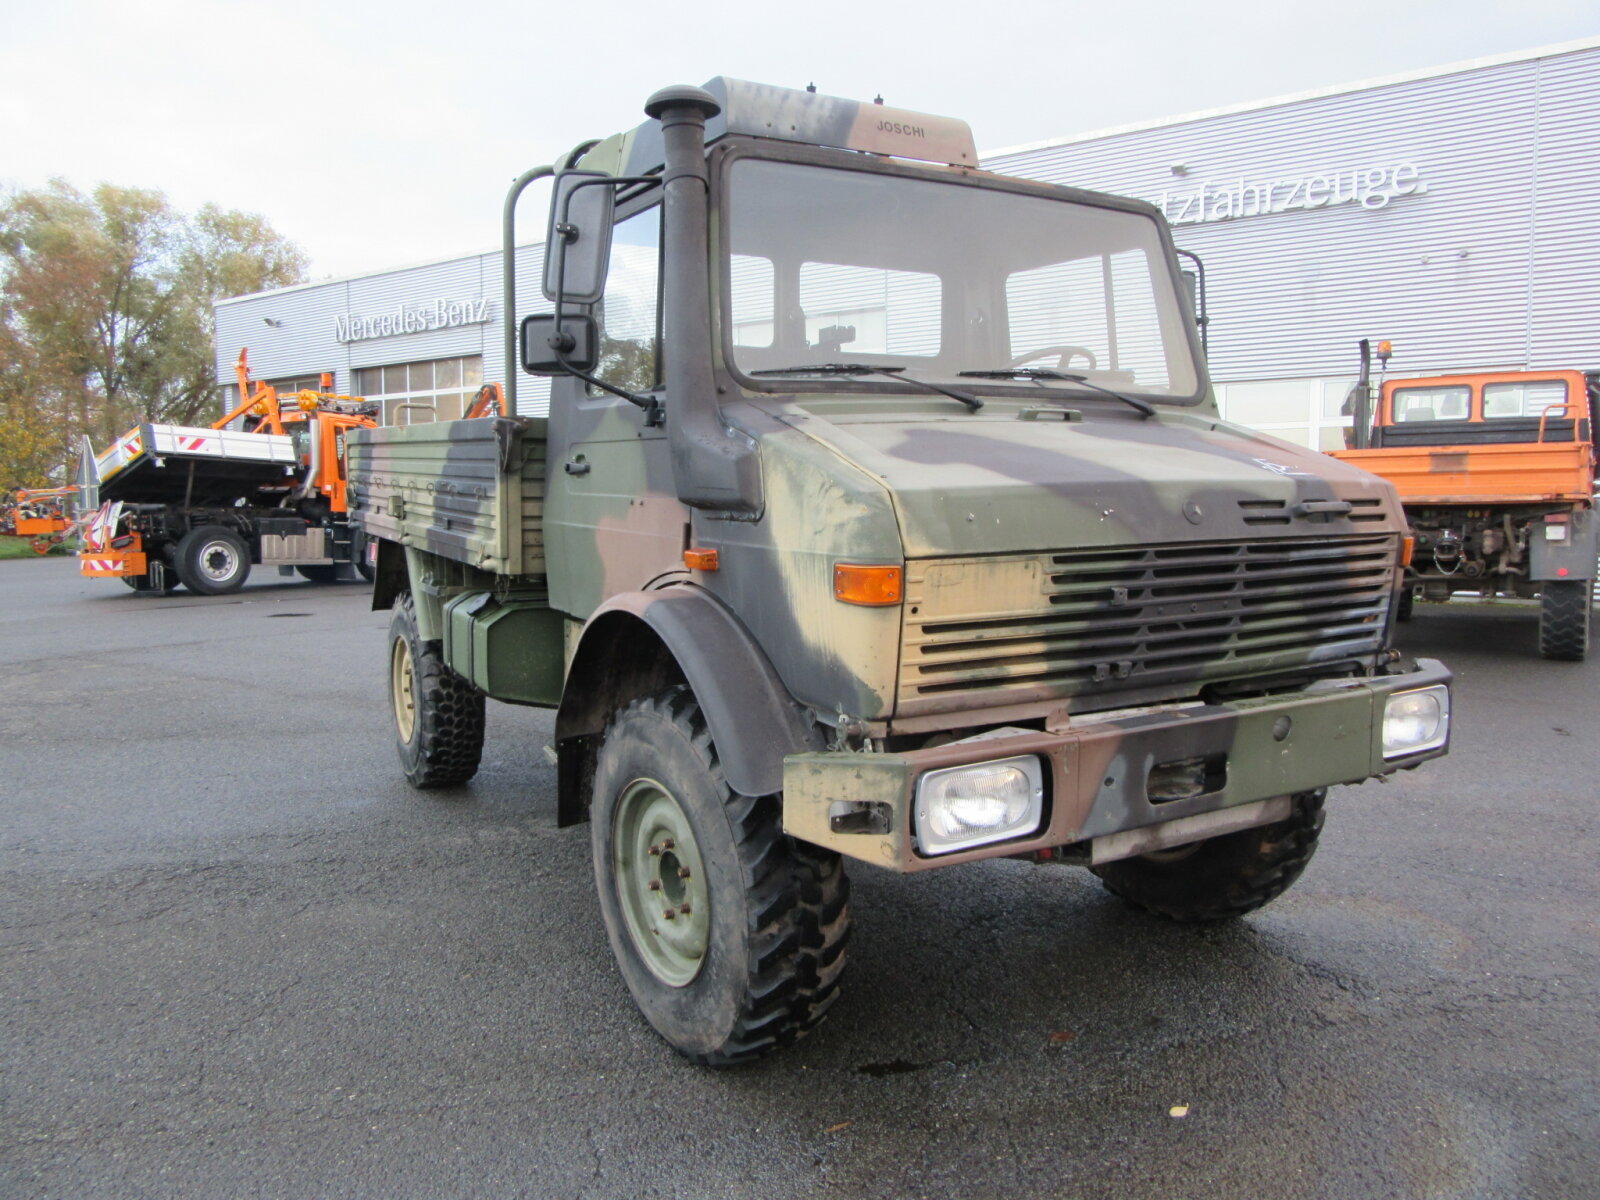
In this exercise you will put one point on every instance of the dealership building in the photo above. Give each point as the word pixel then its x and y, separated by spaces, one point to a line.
pixel 1450 211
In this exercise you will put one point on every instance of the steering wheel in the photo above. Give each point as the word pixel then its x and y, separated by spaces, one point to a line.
pixel 1064 355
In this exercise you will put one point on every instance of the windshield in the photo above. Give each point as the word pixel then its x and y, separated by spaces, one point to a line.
pixel 940 278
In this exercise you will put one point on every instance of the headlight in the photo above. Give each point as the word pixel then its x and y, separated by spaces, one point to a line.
pixel 1416 721
pixel 962 807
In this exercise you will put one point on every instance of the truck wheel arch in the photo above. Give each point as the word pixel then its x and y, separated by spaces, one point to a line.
pixel 640 642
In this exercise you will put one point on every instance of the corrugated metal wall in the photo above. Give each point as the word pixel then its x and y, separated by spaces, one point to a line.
pixel 1493 264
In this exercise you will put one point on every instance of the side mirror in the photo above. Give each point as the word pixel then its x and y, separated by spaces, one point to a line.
pixel 575 338
pixel 578 247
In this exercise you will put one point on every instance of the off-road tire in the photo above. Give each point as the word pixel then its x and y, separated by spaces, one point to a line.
pixel 438 716
pixel 779 914
pixel 321 572
pixel 1564 618
pixel 212 560
pixel 1223 877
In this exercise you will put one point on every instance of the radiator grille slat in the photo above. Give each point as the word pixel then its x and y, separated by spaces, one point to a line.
pixel 1025 627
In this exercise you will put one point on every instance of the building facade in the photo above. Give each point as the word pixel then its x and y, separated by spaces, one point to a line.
pixel 1449 211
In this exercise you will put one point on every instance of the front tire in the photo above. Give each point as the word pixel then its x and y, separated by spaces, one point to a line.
pixel 213 561
pixel 1223 877
pixel 750 958
pixel 1564 618
pixel 438 716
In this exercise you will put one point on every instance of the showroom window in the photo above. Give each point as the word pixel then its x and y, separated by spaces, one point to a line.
pixel 415 393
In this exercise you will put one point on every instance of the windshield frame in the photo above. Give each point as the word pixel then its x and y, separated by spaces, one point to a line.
pixel 725 155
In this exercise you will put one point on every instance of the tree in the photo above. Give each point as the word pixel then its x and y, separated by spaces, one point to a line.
pixel 106 314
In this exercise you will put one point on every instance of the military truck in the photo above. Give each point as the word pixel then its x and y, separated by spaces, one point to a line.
pixel 996 581
pixel 1495 470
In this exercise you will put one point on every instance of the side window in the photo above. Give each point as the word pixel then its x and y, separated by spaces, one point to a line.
pixel 629 312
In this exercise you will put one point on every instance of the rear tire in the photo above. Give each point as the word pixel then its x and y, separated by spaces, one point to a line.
pixel 751 958
pixel 1223 877
pixel 212 561
pixel 1564 619
pixel 321 572
pixel 438 716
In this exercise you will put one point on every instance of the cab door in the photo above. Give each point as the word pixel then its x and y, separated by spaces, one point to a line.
pixel 613 522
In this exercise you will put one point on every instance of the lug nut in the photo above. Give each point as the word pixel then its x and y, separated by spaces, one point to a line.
pixel 670 913
pixel 684 908
pixel 655 849
pixel 683 872
pixel 667 843
pixel 655 885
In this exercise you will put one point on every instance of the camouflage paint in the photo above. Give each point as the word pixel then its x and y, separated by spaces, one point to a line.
pixel 982 509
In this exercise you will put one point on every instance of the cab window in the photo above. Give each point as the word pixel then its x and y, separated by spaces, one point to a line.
pixel 1523 399
pixel 629 314
pixel 1432 404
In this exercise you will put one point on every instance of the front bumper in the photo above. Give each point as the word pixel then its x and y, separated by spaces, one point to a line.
pixel 1098 770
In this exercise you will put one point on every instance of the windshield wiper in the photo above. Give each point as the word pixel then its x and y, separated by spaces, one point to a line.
pixel 1038 373
pixel 966 398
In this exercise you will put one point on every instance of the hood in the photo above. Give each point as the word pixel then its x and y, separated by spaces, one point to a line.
pixel 1014 479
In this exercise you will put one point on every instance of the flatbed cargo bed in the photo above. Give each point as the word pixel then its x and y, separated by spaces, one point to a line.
pixel 470 490
pixel 1489 473
pixel 174 464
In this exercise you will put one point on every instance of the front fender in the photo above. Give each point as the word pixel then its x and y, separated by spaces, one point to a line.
pixel 753 720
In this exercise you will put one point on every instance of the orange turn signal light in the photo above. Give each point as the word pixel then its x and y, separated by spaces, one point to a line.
pixel 872 586
pixel 698 558
pixel 1408 547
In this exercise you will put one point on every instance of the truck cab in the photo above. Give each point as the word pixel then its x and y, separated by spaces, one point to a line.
pixel 1495 470
pixel 883 514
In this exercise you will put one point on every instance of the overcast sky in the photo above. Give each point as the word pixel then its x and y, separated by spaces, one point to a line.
pixel 383 134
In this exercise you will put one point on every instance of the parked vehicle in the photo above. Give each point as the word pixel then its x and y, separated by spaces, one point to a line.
pixel 199 506
pixel 1495 470
pixel 999 581
pixel 43 514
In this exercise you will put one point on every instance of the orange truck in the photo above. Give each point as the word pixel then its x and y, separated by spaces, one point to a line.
pixel 1495 471
pixel 199 506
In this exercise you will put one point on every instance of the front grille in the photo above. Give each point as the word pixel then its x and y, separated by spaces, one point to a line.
pixel 1016 628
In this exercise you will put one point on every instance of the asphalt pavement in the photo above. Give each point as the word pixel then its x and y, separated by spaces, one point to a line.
pixel 239 957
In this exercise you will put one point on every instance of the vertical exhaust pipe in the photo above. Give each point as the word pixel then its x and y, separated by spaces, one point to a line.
pixel 714 467
pixel 1363 404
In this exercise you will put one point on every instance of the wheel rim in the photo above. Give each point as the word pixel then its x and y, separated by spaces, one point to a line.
pixel 658 871
pixel 218 561
pixel 403 689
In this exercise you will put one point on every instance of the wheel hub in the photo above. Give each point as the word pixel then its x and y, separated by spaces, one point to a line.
pixel 402 688
pixel 661 882
pixel 218 561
